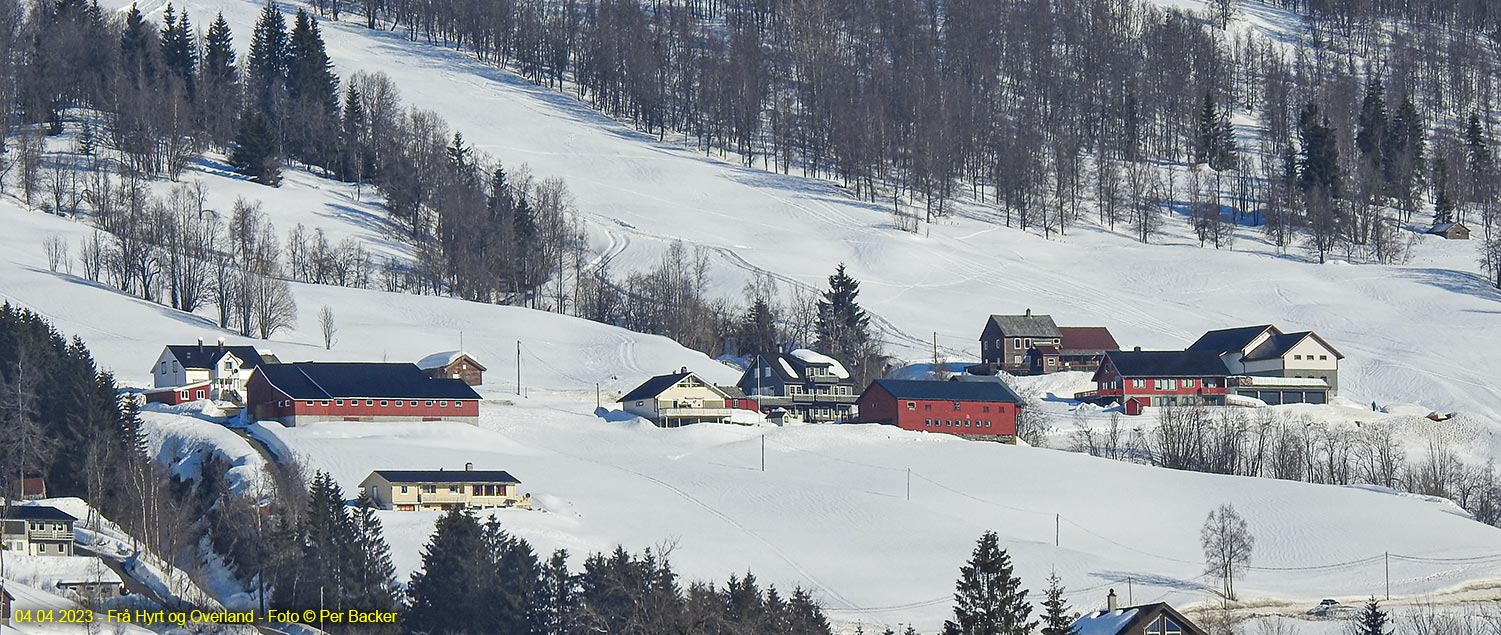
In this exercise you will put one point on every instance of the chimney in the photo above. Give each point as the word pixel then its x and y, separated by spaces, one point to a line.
pixel 200 343
pixel 1137 349
pixel 1029 312
pixel 1111 603
pixel 468 467
pixel 683 370
pixel 221 343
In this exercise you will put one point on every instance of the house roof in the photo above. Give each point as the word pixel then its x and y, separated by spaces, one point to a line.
pixel 1047 350
pixel 443 359
pixel 988 391
pixel 206 355
pixel 1087 338
pixel 1223 341
pixel 36 512
pixel 793 366
pixel 1443 227
pixel 1188 363
pixel 1029 325
pixel 325 380
pixel 1129 618
pixel 446 476
pixel 655 386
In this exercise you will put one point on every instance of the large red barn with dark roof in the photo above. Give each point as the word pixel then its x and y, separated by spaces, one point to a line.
pixel 307 392
pixel 976 409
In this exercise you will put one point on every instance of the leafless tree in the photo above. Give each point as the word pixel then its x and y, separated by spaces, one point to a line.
pixel 271 304
pixel 326 325
pixel 1227 543
pixel 56 248
pixel 92 254
pixel 30 149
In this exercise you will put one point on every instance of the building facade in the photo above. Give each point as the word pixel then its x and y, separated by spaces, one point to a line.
pixel 436 490
pixel 684 398
pixel 1266 351
pixel 1159 378
pixel 1147 619
pixel 800 385
pixel 973 409
pixel 310 392
pixel 37 530
pixel 226 369
pixel 1006 339
pixel 453 365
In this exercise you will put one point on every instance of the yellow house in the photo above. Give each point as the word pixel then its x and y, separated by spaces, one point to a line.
pixel 430 490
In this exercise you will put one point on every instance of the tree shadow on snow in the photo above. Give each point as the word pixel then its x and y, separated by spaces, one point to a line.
pixel 1455 281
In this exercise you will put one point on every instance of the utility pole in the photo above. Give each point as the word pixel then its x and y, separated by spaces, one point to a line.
pixel 596 395
pixel 1388 576
pixel 1057 529
pixel 1130 592
pixel 909 483
pixel 518 367
pixel 763 451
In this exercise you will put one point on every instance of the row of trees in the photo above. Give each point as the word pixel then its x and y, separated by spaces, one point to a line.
pixel 1272 444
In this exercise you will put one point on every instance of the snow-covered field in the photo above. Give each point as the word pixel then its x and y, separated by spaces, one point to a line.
pixel 831 510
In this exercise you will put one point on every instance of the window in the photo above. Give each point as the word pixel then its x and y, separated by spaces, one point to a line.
pixel 640 403
pixel 453 489
pixel 200 393
pixel 398 403
pixel 987 409
pixel 184 394
pixel 369 402
pixel 164 366
pixel 444 404
pixel 339 402
pixel 1164 625
pixel 384 403
pixel 1016 342
pixel 1188 383
pixel 429 489
pixel 403 489
pixel 228 366
pixel 956 405
pixel 1138 383
pixel 428 404
pixel 912 405
pixel 1297 357
pixel 1324 357
pixel 310 404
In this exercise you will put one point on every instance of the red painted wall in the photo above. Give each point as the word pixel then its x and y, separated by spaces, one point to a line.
pixel 174 397
pixel 269 403
pixel 939 416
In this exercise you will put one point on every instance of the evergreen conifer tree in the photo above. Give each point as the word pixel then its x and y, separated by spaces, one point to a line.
pixel 989 598
pixel 373 580
pixel 138 51
pixel 219 81
pixel 1371 130
pixel 255 152
pixel 1372 620
pixel 446 596
pixel 179 51
pixel 1318 169
pixel 758 331
pixel 843 328
pixel 267 65
pixel 1057 617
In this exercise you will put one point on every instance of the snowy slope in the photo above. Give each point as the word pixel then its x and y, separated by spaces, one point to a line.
pixel 637 194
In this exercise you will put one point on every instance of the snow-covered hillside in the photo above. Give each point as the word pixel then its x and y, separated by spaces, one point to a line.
pixel 638 194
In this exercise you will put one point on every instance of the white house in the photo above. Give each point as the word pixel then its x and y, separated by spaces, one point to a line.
pixel 1266 351
pixel 225 368
pixel 684 398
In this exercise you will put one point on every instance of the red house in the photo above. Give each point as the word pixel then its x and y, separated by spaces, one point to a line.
pixel 173 395
pixel 975 409
pixel 307 392
pixel 1159 378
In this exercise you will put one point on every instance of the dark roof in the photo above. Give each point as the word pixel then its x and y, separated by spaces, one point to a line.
pixel 447 476
pixel 37 512
pixel 654 386
pixel 1029 325
pixel 1087 338
pixel 1226 340
pixel 206 355
pixel 1167 363
pixel 325 380
pixel 1047 350
pixel 989 391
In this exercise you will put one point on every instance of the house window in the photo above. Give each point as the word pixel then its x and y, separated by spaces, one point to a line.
pixel 640 403
pixel 428 404
pixel 453 489
pixel 429 489
pixel 339 402
pixel 1324 357
pixel 398 403
pixel 164 366
pixel 310 404
pixel 1138 383
pixel 986 409
pixel 369 402
pixel 200 393
pixel 384 403
pixel 184 394
pixel 1188 383
pixel 444 404
pixel 1164 626
pixel 323 403
pixel 228 366
pixel 1016 342
pixel 912 405
pixel 1297 357
pixel 956 405
pixel 403 489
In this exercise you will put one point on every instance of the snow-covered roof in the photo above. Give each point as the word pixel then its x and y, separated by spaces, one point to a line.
pixel 818 359
pixel 439 360
pixel 48 571
pixel 1273 382
pixel 1104 622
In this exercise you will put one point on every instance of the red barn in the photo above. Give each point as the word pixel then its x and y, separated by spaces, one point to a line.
pixel 307 392
pixel 173 395
pixel 1159 378
pixel 976 409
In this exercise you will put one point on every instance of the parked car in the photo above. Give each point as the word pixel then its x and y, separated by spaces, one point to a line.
pixel 1331 608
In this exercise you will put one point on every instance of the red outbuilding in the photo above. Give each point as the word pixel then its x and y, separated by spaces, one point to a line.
pixel 307 392
pixel 978 409
pixel 1138 378
pixel 173 395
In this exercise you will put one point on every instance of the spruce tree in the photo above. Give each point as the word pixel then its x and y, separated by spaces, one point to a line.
pixel 373 581
pixel 1057 617
pixel 1319 165
pixel 138 50
pixel 179 51
pixel 313 93
pixel 219 81
pixel 516 580
pixel 989 598
pixel 758 331
pixel 1371 130
pixel 447 596
pixel 843 328
pixel 267 65
pixel 558 595
pixel 255 152
pixel 1372 620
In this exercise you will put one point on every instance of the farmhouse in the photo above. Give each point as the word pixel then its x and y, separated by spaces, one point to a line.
pixel 974 409
pixel 683 398
pixel 453 365
pixel 1140 378
pixel 1146 619
pixel 1006 339
pixel 427 490
pixel 36 530
pixel 1451 231
pixel 307 392
pixel 802 383
pixel 1082 348
pixel 226 369
pixel 1265 351
pixel 173 395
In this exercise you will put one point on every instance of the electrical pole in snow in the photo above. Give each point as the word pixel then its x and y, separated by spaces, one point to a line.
pixel 518 367
pixel 763 451
pixel 909 483
pixel 1057 529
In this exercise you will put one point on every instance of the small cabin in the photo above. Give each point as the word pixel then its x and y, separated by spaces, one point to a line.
pixel 453 365
pixel 1451 231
